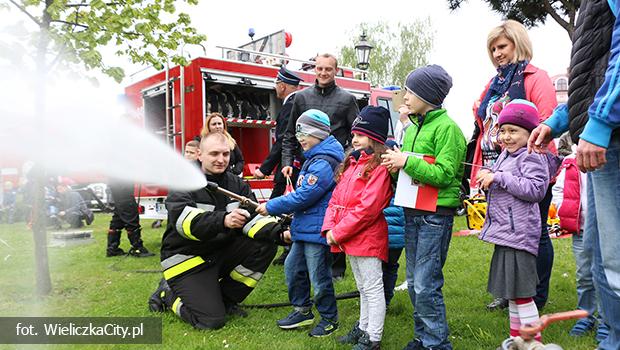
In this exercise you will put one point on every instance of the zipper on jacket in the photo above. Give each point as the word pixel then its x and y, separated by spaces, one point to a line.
pixel 512 221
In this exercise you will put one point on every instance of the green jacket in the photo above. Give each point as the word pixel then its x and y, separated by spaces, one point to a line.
pixel 438 136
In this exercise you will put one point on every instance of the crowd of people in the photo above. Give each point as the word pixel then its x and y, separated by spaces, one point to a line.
pixel 344 170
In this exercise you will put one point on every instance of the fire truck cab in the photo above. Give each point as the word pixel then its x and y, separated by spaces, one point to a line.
pixel 173 105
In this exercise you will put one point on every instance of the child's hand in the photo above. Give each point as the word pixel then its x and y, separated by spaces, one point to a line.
pixel 286 236
pixel 262 209
pixel 481 173
pixel 394 159
pixel 486 180
pixel 330 238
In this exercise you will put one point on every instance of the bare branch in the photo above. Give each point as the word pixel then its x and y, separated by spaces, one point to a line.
pixel 86 5
pixel 567 26
pixel 70 23
pixel 23 9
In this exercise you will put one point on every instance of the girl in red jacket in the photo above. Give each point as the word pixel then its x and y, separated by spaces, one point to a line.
pixel 354 221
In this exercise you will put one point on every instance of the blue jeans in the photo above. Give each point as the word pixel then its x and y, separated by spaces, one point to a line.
pixel 603 220
pixel 311 263
pixel 586 294
pixel 427 238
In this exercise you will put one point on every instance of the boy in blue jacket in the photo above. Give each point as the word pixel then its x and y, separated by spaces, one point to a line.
pixel 309 261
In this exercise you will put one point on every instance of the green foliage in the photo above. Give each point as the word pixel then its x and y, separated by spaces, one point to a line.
pixel 532 13
pixel 148 32
pixel 397 49
pixel 88 284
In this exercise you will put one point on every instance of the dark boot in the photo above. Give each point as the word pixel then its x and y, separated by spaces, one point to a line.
pixel 497 304
pixel 280 260
pixel 353 336
pixel 162 298
pixel 137 248
pixel 114 240
pixel 364 343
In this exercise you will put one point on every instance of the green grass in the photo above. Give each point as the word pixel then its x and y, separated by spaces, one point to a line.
pixel 86 283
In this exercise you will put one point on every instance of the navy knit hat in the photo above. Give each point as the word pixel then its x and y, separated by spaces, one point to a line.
pixel 521 113
pixel 288 77
pixel 372 122
pixel 431 84
pixel 314 123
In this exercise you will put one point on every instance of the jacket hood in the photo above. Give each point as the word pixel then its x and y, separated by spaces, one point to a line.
pixel 330 146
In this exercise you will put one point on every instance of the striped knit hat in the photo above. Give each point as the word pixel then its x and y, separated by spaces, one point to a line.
pixel 372 122
pixel 314 123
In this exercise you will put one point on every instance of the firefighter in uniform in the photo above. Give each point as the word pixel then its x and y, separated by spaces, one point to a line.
pixel 287 84
pixel 126 217
pixel 213 251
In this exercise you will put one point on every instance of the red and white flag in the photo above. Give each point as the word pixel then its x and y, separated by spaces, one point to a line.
pixel 413 194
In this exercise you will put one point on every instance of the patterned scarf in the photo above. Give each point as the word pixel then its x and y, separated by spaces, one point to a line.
pixel 507 85
pixel 508 81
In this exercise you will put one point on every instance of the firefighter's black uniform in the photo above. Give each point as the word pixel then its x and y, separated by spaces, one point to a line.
pixel 125 217
pixel 207 266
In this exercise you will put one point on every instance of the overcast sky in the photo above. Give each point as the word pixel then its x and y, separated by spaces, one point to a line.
pixel 325 26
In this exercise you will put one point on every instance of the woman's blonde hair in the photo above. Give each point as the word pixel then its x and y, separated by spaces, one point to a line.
pixel 205 129
pixel 517 34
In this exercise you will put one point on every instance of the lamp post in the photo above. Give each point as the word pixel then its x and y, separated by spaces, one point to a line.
pixel 362 50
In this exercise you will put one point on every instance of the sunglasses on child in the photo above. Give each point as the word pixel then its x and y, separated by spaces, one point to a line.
pixel 301 135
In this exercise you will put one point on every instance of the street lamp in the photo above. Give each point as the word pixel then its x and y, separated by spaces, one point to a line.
pixel 362 50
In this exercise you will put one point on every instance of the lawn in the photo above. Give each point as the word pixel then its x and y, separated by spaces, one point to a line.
pixel 86 283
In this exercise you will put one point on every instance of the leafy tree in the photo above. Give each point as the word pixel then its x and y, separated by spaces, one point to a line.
pixel 74 33
pixel 397 49
pixel 532 12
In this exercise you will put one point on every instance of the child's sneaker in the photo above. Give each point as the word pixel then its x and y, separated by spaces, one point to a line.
pixel 581 327
pixel 323 329
pixel 602 332
pixel 296 319
pixel 364 343
pixel 353 336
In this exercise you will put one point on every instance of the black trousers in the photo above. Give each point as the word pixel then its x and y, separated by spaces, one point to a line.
pixel 126 214
pixel 229 279
pixel 279 182
pixel 544 260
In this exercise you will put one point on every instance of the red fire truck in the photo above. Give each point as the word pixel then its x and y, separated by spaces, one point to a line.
pixel 174 104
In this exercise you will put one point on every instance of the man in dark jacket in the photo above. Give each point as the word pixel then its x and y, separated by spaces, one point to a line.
pixel 326 96
pixel 211 253
pixel 287 84
pixel 342 109
pixel 592 115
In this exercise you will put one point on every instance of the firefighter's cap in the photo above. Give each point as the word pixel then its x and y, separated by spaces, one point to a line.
pixel 288 77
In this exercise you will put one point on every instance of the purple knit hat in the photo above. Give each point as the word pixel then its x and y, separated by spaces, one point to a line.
pixel 521 113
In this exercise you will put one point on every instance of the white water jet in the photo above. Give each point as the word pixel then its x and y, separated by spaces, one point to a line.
pixel 75 138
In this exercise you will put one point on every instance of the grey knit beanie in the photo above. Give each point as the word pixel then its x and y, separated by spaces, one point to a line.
pixel 431 84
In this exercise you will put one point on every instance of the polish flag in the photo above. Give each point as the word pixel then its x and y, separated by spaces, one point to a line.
pixel 413 194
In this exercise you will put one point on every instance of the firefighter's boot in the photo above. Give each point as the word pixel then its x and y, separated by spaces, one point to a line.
pixel 137 247
pixel 114 240
pixel 162 299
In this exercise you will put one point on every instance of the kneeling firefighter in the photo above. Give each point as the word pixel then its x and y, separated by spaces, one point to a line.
pixel 213 251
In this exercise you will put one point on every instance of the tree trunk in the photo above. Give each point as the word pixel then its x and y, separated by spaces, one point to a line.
pixel 39 212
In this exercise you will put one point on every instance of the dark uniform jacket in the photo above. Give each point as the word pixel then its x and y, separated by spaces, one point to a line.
pixel 338 104
pixel 589 58
pixel 274 157
pixel 196 218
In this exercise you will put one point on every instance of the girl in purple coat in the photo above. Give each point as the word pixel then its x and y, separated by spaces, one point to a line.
pixel 516 183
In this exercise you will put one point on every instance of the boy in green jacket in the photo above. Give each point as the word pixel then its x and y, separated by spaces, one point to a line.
pixel 427 234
